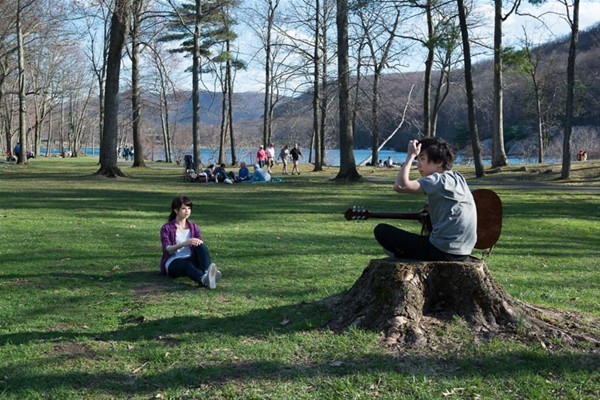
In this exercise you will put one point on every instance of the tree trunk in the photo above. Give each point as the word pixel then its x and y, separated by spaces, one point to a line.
pixel 428 71
pixel 101 92
pixel 566 161
pixel 136 99
pixel 196 86
pixel 49 138
pixel 223 128
pixel 268 100
pixel 348 169
pixel 375 116
pixel 316 103
pixel 163 79
pixel 540 123
pixel 498 153
pixel 411 302
pixel 474 134
pixel 108 146
pixel 324 84
pixel 229 83
pixel 22 157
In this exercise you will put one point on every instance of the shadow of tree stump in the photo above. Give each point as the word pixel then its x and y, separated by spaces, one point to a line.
pixel 411 302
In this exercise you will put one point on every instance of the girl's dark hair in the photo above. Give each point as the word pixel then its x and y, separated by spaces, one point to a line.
pixel 176 205
pixel 438 151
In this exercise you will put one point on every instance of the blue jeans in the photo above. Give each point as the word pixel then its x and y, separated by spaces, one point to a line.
pixel 194 266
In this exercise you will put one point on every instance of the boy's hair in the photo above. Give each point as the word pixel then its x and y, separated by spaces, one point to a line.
pixel 437 151
pixel 177 203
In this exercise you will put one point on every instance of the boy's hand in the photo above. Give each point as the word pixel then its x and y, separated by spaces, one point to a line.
pixel 414 148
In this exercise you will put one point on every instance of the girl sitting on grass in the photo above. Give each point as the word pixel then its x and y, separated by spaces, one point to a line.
pixel 184 251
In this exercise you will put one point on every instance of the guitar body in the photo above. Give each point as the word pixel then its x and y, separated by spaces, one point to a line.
pixel 489 217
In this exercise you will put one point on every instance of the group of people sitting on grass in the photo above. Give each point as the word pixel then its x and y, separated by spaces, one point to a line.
pixel 214 174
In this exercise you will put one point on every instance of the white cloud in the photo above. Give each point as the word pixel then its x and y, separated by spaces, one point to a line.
pixel 553 23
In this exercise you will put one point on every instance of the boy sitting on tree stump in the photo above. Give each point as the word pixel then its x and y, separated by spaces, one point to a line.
pixel 411 301
pixel 450 205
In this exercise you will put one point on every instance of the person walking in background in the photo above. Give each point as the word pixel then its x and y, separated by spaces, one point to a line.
pixel 284 156
pixel 295 153
pixel 184 252
pixel 261 156
pixel 270 150
pixel 582 155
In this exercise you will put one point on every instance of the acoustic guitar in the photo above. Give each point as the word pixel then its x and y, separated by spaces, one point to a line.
pixel 489 217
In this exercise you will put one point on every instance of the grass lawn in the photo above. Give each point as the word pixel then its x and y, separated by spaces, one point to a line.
pixel 84 313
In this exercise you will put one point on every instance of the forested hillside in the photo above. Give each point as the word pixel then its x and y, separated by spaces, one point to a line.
pixel 293 115
pixel 519 111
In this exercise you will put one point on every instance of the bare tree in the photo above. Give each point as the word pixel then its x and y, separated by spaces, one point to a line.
pixel 140 36
pixel 473 132
pixel 79 94
pixel 22 6
pixel 137 17
pixel 7 66
pixel 317 50
pixel 527 61
pixel 108 145
pixel 165 90
pixel 448 43
pixel 231 64
pixel 379 23
pixel 306 35
pixel 572 17
pixel 95 16
pixel 272 6
pixel 223 66
pixel 348 169
pixel 499 158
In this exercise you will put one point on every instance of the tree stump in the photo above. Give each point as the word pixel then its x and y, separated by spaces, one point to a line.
pixel 411 301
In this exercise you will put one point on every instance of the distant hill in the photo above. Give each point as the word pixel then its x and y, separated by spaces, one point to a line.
pixel 248 106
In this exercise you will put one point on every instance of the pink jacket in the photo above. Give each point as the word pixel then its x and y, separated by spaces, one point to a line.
pixel 261 155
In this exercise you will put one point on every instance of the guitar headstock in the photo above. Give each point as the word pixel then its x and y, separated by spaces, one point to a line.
pixel 356 213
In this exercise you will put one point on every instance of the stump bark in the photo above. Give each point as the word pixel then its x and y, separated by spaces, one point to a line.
pixel 411 301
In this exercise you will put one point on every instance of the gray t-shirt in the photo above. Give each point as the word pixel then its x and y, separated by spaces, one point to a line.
pixel 452 212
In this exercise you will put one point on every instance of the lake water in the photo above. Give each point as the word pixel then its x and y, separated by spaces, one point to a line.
pixel 332 156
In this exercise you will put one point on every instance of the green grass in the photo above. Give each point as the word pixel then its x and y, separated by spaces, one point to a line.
pixel 85 314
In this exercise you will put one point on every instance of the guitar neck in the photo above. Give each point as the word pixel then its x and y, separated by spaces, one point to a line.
pixel 392 215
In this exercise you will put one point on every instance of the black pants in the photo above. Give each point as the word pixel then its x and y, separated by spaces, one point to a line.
pixel 194 266
pixel 403 244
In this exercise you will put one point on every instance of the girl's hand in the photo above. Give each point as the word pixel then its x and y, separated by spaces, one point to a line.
pixel 194 242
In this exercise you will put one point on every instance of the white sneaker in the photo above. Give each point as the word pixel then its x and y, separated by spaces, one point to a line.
pixel 212 273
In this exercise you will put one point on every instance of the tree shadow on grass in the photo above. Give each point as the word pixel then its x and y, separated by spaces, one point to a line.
pixel 412 368
pixel 258 322
pixel 22 378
